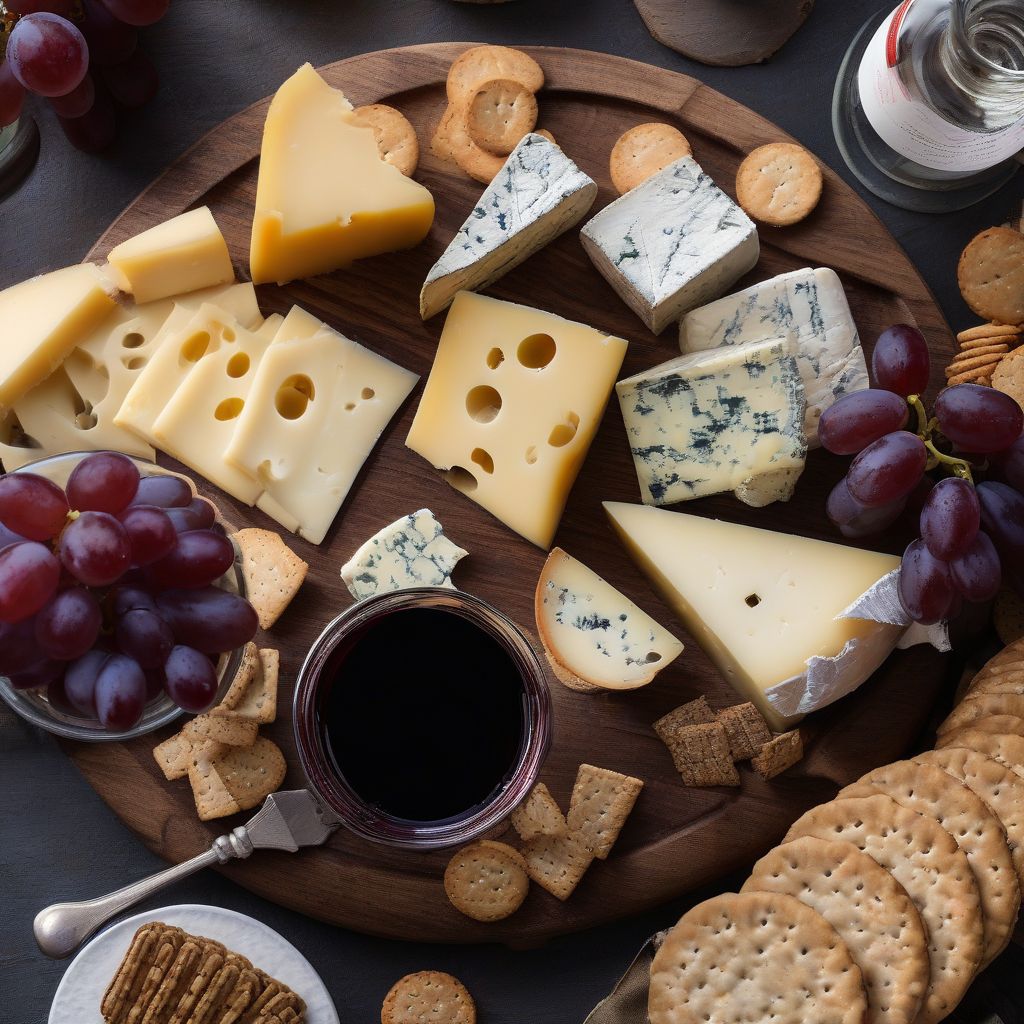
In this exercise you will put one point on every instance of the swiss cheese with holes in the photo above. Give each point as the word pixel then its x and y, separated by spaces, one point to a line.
pixel 512 404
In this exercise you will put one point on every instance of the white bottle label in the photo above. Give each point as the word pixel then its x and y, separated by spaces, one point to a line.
pixel 913 129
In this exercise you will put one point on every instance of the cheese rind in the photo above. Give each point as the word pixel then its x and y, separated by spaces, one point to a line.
pixel 183 254
pixel 537 194
pixel 595 633
pixel 808 306
pixel 411 552
pixel 726 420
pixel 324 196
pixel 672 243
pixel 766 607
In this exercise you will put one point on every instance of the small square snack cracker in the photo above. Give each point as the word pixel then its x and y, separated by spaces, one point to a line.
pixel 253 694
pixel 778 754
pixel 601 803
pixel 177 753
pixel 745 729
pixel 696 712
pixel 233 732
pixel 212 797
pixel 539 815
pixel 701 755
pixel 249 774
pixel 557 863
pixel 273 573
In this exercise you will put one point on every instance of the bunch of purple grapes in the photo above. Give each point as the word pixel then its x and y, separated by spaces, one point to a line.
pixel 971 534
pixel 83 57
pixel 106 590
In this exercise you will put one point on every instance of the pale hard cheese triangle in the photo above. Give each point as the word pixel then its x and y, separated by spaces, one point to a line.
pixel 760 604
pixel 316 409
pixel 42 321
pixel 514 399
pixel 324 196
pixel 537 194
pixel 594 633
pixel 180 255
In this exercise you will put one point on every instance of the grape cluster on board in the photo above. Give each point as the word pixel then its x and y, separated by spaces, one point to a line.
pixel 106 590
pixel 971 532
pixel 83 57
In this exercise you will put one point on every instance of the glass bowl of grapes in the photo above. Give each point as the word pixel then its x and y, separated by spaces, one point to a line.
pixel 122 602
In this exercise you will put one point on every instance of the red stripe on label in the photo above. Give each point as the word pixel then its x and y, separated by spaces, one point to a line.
pixel 892 38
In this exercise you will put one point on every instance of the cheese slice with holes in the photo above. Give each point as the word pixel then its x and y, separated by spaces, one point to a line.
pixel 316 409
pixel 514 398
pixel 324 196
pixel 767 608
pixel 183 254
pixel 593 635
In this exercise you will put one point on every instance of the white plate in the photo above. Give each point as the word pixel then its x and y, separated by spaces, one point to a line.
pixel 78 996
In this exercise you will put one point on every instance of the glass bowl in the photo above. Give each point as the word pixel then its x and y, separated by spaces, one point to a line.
pixel 33 705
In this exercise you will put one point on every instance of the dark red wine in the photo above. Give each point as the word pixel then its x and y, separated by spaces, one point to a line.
pixel 422 714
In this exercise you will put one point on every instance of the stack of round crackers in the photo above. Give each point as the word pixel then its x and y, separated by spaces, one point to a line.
pixel 881 905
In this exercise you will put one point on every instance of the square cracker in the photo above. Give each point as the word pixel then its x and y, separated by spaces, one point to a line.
pixel 175 755
pixel 273 573
pixel 557 863
pixel 696 712
pixel 701 755
pixel 539 815
pixel 253 693
pixel 601 803
pixel 232 732
pixel 778 754
pixel 213 798
pixel 745 729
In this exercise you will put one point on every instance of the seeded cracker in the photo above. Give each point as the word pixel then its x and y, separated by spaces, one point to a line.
pixel 487 881
pixel 253 694
pixel 991 275
pixel 539 815
pixel 696 712
pixel 273 573
pixel 177 754
pixel 233 732
pixel 428 997
pixel 396 137
pixel 601 803
pixel 701 755
pixel 778 754
pixel 745 729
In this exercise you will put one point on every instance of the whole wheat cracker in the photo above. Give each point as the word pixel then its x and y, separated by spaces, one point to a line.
pixel 694 712
pixel 130 976
pixel 701 755
pixel 779 754
pixel 208 965
pixel 175 982
pixel 745 729
pixel 601 802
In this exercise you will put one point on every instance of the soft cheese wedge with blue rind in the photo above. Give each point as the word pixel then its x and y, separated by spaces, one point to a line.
pixel 594 636
pixel 806 305
pixel 726 420
pixel 767 608
pixel 672 243
pixel 537 194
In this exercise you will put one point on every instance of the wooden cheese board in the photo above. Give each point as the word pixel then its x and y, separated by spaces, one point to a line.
pixel 678 838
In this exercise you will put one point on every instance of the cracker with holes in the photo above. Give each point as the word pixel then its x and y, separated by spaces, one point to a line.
pixel 273 573
pixel 601 802
pixel 176 754
pixel 754 953
pixel 746 730
pixel 1006 748
pixel 643 150
pixel 701 754
pixel 232 732
pixel 997 725
pixel 539 815
pixel 499 114
pixel 395 135
pixel 428 997
pixel 991 275
pixel 779 184
pixel 486 881
pixel 557 863
pixel 253 692
pixel 779 754
pixel 237 780
pixel 982 705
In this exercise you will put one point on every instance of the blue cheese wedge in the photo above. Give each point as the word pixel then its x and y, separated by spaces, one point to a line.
pixel 537 194
pixel 411 552
pixel 808 306
pixel 726 420
pixel 672 243
pixel 596 638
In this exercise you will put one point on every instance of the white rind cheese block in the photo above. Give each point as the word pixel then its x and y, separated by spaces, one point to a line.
pixel 537 194
pixel 411 552
pixel 672 243
pixel 594 636
pixel 726 420
pixel 767 608
pixel 806 305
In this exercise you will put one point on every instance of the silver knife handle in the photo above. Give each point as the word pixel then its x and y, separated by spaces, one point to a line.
pixel 63 927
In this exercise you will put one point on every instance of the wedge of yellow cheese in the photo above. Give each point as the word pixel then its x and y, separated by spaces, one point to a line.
pixel 325 197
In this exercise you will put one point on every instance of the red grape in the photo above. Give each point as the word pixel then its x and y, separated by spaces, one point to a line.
pixel 163 491
pixel 1002 515
pixel 856 520
pixel 144 636
pixel 95 129
pixel 80 681
pixel 208 619
pixel 28 577
pixel 205 514
pixel 133 82
pixel 138 12
pixel 888 469
pixel 900 362
pixel 104 482
pixel 120 692
pixel 155 682
pixel 150 531
pixel 61 7
pixel 42 673
pixel 977 573
pixel 926 586
pixel 978 419
pixel 200 557
pixel 111 41
pixel 32 506
pixel 68 625
pixel 122 600
pixel 859 418
pixel 9 537
pixel 47 54
pixel 95 549
pixel 1009 464
pixel 12 95
pixel 18 648
pixel 950 518
pixel 191 679
pixel 77 102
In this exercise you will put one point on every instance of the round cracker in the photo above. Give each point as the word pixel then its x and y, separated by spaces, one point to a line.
pixel 428 997
pixel 995 724
pixel 1004 682
pixel 1006 748
pixel 989 331
pixel 481 63
pixel 748 953
pixel 779 184
pixel 927 862
pixel 1008 377
pixel 452 142
pixel 869 909
pixel 1010 658
pixel 982 705
pixel 500 113
pixel 486 881
pixel 927 789
pixel 991 275
pixel 643 151
pixel 395 135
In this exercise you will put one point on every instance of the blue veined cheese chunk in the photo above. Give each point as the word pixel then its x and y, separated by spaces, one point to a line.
pixel 411 552
pixel 726 420
pixel 806 305
pixel 672 243
pixel 537 194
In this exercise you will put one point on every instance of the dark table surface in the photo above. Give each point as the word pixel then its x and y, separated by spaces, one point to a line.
pixel 57 839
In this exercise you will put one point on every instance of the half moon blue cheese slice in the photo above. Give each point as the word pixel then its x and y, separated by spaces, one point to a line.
pixel 537 194
pixel 726 420
pixel 672 243
pixel 806 305
pixel 596 638
pixel 411 552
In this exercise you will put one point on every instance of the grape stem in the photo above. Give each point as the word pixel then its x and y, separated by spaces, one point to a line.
pixel 924 427
pixel 957 467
